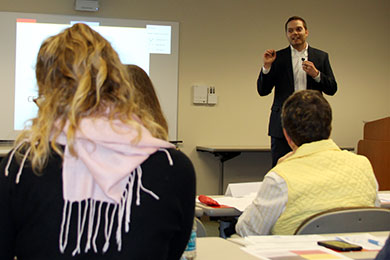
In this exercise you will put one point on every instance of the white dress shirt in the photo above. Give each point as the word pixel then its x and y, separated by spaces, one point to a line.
pixel 297 58
pixel 261 215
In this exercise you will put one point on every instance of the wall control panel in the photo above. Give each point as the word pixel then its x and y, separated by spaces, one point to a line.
pixel 203 94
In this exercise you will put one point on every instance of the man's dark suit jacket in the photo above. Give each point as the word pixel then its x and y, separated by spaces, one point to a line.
pixel 281 77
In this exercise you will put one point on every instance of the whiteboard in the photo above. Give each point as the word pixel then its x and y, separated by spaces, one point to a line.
pixel 16 67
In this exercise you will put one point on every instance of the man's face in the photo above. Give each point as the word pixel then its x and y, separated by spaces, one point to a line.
pixel 297 34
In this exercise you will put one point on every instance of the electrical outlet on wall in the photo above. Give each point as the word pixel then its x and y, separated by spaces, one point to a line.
pixel 211 96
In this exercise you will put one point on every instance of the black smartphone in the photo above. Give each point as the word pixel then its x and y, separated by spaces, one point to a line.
pixel 339 245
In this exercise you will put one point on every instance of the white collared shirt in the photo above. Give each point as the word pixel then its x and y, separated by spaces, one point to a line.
pixel 261 215
pixel 298 72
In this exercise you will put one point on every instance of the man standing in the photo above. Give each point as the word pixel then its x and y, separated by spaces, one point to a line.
pixel 296 67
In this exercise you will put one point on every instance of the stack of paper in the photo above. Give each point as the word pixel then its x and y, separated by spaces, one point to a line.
pixel 290 247
pixel 304 246
pixel 242 189
pixel 239 195
pixel 384 197
pixel 238 203
pixel 294 254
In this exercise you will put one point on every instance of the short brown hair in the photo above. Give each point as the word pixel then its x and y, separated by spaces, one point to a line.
pixel 148 99
pixel 307 117
pixel 292 18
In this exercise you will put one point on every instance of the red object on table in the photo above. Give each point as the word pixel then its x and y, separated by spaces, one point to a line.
pixel 208 201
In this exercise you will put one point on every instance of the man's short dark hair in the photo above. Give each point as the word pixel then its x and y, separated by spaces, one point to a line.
pixel 292 18
pixel 307 117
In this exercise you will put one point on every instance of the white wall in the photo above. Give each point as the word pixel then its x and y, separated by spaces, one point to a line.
pixel 221 44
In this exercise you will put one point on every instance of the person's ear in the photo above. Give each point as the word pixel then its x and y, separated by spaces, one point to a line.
pixel 290 142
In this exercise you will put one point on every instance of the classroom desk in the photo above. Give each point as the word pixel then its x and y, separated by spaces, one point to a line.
pixel 198 211
pixel 385 204
pixel 367 255
pixel 233 212
pixel 209 248
pixel 4 149
pixel 226 152
pixel 219 212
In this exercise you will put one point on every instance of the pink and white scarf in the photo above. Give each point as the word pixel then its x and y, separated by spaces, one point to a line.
pixel 104 172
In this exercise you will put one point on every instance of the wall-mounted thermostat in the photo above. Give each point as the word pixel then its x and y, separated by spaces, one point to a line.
pixel 200 94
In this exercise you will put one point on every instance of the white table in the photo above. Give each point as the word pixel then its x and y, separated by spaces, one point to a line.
pixel 233 212
pixel 367 255
pixel 385 204
pixel 215 248
pixel 4 149
pixel 198 211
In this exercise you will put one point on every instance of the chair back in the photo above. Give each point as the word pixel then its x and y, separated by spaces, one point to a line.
pixel 346 220
pixel 200 229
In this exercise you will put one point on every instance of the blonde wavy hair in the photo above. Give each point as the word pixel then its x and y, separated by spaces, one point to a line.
pixel 80 75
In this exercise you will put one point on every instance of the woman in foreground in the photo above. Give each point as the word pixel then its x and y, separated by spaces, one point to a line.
pixel 93 177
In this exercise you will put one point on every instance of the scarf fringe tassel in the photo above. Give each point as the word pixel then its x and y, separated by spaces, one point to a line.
pixel 121 210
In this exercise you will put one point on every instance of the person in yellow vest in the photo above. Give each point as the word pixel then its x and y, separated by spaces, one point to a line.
pixel 315 176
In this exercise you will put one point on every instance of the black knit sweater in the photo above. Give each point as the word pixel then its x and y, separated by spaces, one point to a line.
pixel 31 213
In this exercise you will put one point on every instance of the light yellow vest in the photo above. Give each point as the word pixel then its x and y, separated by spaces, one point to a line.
pixel 319 177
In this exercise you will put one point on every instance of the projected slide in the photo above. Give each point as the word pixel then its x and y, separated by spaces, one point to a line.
pixel 152 45
pixel 29 37
pixel 134 46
